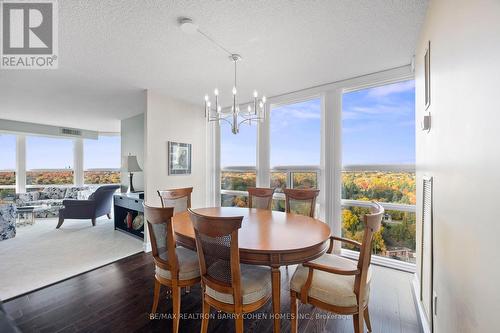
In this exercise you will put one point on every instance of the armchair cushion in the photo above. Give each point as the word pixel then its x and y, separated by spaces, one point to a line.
pixel 330 288
pixel 255 285
pixel 188 264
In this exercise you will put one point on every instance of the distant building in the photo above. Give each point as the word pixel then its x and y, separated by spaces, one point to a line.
pixel 401 253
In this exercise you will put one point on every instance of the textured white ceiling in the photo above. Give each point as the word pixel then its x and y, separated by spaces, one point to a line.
pixel 110 51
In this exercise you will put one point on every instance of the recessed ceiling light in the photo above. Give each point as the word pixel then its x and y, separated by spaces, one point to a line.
pixel 187 25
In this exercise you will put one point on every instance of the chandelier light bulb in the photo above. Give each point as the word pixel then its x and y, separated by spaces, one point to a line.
pixel 216 92
pixel 249 108
pixel 234 90
pixel 206 98
pixel 261 105
pixel 219 109
pixel 255 94
pixel 208 104
pixel 263 99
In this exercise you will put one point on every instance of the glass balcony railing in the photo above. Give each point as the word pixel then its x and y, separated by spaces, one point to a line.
pixel 392 186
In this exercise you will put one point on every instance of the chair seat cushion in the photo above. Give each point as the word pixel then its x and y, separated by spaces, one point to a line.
pixel 188 265
pixel 330 288
pixel 255 285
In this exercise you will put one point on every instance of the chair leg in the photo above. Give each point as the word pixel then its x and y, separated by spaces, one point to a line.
pixel 357 320
pixel 367 319
pixel 59 224
pixel 293 312
pixel 93 222
pixel 109 215
pixel 239 322
pixel 176 306
pixel 156 296
pixel 206 316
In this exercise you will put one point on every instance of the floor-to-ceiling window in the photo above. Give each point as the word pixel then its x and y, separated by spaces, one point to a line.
pixel 7 166
pixel 49 161
pixel 295 147
pixel 238 163
pixel 102 159
pixel 378 155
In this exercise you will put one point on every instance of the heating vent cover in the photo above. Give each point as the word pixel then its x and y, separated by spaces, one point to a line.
pixel 427 248
pixel 71 131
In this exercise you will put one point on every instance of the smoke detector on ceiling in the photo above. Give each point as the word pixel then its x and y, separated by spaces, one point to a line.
pixel 187 25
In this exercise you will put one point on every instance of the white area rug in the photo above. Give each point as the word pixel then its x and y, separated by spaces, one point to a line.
pixel 40 254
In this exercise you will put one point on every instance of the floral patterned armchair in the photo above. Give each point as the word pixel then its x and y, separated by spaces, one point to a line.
pixel 7 221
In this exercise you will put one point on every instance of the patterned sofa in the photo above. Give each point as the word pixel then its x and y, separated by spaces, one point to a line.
pixel 52 197
pixel 7 221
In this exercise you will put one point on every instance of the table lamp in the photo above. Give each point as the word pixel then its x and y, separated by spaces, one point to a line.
pixel 132 166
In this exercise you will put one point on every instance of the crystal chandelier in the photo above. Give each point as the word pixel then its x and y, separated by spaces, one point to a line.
pixel 239 114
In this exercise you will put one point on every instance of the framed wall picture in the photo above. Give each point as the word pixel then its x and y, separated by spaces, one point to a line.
pixel 427 64
pixel 179 158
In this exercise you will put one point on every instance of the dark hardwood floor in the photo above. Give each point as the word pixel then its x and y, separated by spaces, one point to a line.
pixel 118 297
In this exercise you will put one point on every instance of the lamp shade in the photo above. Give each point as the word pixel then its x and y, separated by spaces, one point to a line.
pixel 132 165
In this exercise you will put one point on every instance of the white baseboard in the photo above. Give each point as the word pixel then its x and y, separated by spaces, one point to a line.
pixel 422 318
pixel 147 247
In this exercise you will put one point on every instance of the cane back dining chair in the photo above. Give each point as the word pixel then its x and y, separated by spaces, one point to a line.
pixel 338 284
pixel 179 198
pixel 175 267
pixel 259 197
pixel 301 201
pixel 226 284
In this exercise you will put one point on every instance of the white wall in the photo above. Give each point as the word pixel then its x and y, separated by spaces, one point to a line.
pixel 132 142
pixel 169 119
pixel 462 153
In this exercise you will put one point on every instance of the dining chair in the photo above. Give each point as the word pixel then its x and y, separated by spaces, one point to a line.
pixel 179 198
pixel 226 284
pixel 337 284
pixel 259 197
pixel 300 201
pixel 175 267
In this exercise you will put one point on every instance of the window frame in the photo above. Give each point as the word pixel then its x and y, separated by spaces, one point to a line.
pixel 83 164
pixel 376 259
pixel 26 169
pixel 331 144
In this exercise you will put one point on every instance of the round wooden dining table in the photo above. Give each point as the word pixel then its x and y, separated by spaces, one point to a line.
pixel 268 238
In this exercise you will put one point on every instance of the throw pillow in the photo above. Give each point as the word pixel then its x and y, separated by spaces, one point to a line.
pixel 28 197
pixel 53 193
pixel 84 194
pixel 72 192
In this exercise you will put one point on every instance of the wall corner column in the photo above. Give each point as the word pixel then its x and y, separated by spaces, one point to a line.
pixel 332 175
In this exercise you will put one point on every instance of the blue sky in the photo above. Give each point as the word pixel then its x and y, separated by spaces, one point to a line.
pixel 54 153
pixel 378 127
